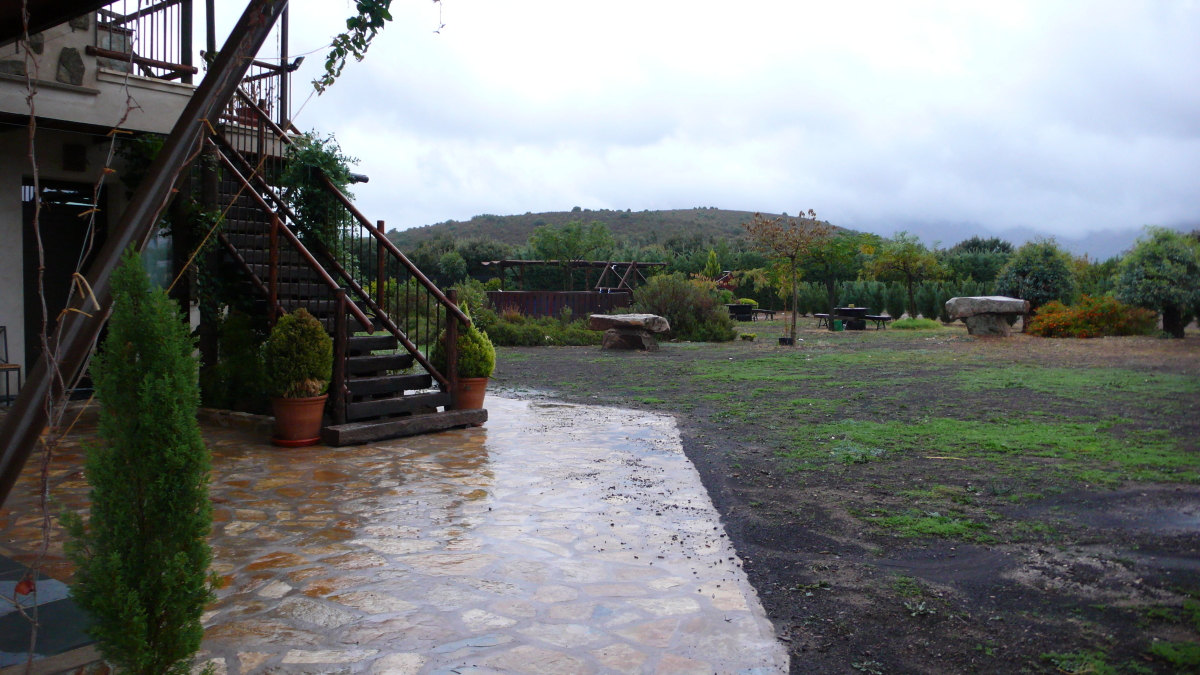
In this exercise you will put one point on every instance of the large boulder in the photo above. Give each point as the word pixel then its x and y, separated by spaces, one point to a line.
pixel 987 315
pixel 961 308
pixel 646 322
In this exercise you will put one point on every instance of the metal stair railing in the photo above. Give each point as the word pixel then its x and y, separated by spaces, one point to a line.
pixel 404 301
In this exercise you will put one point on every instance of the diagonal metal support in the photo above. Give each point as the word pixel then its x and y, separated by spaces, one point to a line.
pixel 73 339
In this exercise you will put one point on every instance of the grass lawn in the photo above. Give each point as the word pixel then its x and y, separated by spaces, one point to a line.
pixel 921 501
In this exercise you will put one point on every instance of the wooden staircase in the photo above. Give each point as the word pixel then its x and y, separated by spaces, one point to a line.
pixel 383 386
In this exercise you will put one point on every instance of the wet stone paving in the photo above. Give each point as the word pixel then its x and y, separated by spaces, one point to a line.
pixel 556 539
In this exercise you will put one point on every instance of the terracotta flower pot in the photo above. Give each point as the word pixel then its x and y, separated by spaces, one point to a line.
pixel 468 393
pixel 298 420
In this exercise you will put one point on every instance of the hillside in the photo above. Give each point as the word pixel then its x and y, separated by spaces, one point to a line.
pixel 643 227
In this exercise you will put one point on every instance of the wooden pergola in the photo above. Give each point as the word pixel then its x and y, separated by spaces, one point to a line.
pixel 625 274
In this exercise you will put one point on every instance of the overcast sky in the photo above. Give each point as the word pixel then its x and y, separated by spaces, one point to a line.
pixel 1077 119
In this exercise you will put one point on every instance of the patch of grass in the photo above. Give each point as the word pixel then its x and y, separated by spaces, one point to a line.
pixel 916 324
pixel 650 400
pixel 1078 383
pixel 1178 654
pixel 906 587
pixel 1088 451
pixel 1188 613
pixel 1081 663
pixel 917 524
pixel 851 453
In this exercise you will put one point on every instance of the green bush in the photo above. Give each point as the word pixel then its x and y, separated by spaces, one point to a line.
pixel 693 311
pixel 1162 273
pixel 142 556
pixel 748 301
pixel 546 331
pixel 476 354
pixel 238 380
pixel 298 356
pixel 1092 317
pixel 916 324
pixel 1038 272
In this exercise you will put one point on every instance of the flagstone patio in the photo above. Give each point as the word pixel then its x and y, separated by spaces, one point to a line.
pixel 556 539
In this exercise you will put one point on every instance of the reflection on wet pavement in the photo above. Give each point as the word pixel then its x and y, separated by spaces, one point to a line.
pixel 556 539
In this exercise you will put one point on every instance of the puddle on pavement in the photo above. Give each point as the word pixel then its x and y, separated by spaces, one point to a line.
pixel 557 539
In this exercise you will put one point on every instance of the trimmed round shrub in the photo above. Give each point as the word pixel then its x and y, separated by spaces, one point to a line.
pixel 476 354
pixel 1092 317
pixel 298 357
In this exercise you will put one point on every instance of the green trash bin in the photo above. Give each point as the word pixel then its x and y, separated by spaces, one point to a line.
pixel 837 325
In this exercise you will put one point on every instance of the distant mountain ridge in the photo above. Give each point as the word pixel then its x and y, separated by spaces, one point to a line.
pixel 643 227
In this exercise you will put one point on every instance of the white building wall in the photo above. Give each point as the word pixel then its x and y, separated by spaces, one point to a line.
pixel 104 97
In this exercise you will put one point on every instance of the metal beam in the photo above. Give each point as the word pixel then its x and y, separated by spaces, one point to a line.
pixel 74 338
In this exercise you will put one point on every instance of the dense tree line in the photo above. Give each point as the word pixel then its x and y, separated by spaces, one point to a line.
pixel 898 274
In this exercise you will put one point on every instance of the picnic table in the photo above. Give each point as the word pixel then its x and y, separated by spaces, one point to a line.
pixel 766 314
pixel 854 318
pixel 740 312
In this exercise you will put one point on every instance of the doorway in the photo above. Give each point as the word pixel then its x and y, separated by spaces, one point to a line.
pixel 68 235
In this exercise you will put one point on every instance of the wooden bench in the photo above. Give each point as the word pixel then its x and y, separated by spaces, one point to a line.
pixel 767 314
pixel 822 320
pixel 880 320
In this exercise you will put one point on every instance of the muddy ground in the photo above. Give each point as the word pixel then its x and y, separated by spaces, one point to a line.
pixel 928 502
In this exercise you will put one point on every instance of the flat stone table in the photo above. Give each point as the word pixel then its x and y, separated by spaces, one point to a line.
pixel 987 315
pixel 629 331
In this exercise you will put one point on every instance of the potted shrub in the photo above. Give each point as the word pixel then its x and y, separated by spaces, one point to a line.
pixel 476 361
pixel 299 361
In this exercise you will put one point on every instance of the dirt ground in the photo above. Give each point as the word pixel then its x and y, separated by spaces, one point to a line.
pixel 929 502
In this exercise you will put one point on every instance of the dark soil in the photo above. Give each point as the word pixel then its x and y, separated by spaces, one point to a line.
pixel 1071 567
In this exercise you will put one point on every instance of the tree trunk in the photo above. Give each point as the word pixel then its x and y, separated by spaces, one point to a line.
pixel 795 301
pixel 1172 319
pixel 831 291
pixel 912 300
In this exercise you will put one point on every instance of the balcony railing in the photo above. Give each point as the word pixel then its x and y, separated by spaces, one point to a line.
pixel 153 39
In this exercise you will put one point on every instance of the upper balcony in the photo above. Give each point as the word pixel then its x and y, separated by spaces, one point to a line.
pixel 125 66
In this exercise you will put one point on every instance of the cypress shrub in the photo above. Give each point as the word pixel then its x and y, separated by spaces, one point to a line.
pixel 142 557
pixel 943 297
pixel 895 300
pixel 878 295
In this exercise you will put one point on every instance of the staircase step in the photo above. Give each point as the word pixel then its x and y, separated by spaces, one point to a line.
pixel 399 404
pixel 370 343
pixel 351 322
pixel 388 384
pixel 309 290
pixel 357 365
pixel 356 433
pixel 249 241
pixel 315 306
pixel 286 272
pixel 263 256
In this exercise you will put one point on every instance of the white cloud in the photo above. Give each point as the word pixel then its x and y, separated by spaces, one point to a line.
pixel 1065 118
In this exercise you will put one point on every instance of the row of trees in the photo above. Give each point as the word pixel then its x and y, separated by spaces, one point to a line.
pixel 780 253
pixel 1160 273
